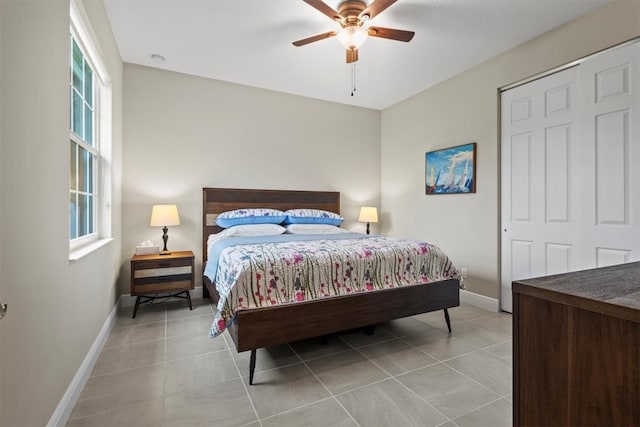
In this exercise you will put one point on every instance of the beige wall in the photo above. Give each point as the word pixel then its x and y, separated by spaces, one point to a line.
pixel 464 109
pixel 183 133
pixel 57 308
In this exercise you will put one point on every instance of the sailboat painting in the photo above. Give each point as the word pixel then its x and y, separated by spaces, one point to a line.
pixel 451 170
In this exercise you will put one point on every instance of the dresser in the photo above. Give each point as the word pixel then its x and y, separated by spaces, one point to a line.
pixel 576 348
pixel 170 275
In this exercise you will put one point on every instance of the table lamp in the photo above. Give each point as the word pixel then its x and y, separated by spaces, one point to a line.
pixel 368 214
pixel 164 216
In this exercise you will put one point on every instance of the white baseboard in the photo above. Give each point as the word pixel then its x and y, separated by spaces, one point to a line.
pixel 129 301
pixel 68 402
pixel 481 301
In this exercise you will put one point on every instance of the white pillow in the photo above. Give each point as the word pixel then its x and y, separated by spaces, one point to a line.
pixel 314 229
pixel 246 230
pixel 256 230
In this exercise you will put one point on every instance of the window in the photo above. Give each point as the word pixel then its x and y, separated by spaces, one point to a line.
pixel 89 136
pixel 84 149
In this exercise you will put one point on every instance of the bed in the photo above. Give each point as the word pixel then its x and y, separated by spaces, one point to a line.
pixel 263 326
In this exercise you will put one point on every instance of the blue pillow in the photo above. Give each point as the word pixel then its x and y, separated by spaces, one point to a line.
pixel 312 216
pixel 250 216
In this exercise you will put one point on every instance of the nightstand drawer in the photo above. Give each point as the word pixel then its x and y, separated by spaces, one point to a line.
pixel 156 272
pixel 137 281
pixel 161 263
pixel 159 285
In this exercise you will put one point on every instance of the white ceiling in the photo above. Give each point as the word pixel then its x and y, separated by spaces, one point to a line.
pixel 249 42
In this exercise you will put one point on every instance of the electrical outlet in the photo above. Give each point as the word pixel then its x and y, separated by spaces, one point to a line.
pixel 464 273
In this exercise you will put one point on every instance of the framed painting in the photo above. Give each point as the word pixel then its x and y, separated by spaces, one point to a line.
pixel 451 170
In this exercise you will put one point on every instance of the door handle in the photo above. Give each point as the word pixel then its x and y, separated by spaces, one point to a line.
pixel 3 310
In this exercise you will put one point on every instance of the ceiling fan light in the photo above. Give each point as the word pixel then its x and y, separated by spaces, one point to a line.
pixel 352 37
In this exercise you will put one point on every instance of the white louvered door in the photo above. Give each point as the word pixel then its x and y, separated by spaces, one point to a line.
pixel 570 186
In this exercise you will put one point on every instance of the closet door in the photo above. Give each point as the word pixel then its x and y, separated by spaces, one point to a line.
pixel 570 188
pixel 611 117
pixel 540 197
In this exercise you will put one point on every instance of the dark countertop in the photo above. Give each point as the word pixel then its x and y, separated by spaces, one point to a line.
pixel 613 290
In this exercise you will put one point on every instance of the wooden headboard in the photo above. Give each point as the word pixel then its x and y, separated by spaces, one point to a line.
pixel 218 200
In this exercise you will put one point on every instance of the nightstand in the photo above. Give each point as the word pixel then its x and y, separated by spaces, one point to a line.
pixel 154 274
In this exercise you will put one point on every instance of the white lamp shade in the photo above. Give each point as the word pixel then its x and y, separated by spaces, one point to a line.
pixel 164 216
pixel 352 37
pixel 368 214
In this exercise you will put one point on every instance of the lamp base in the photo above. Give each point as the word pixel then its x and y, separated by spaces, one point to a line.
pixel 165 237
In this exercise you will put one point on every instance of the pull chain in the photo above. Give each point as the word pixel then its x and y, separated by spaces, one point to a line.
pixel 353 79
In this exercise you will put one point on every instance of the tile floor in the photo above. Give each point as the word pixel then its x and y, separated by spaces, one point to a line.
pixel 162 369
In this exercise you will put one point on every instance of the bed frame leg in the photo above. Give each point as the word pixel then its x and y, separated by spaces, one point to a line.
pixel 252 366
pixel 446 318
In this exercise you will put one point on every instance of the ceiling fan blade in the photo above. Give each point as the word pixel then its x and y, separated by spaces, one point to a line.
pixel 352 55
pixel 325 9
pixel 315 38
pixel 390 33
pixel 377 7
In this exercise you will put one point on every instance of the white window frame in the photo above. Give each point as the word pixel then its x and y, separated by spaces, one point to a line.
pixel 102 101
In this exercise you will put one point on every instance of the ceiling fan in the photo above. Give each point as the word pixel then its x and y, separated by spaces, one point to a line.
pixel 352 15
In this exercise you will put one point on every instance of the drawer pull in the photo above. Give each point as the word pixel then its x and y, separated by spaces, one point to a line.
pixel 164 264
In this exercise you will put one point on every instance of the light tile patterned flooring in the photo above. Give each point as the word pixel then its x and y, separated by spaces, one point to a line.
pixel 162 369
